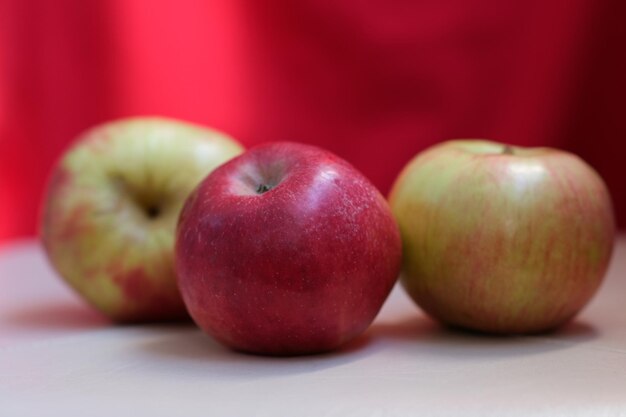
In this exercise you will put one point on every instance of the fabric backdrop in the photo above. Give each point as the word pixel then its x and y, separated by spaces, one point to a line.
pixel 373 81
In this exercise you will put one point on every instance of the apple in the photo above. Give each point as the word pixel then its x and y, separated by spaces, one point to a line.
pixel 502 239
pixel 285 250
pixel 111 210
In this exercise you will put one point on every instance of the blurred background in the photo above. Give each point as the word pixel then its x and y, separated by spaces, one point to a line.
pixel 374 81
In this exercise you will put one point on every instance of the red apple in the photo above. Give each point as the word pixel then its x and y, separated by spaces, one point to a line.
pixel 500 238
pixel 286 249
pixel 111 209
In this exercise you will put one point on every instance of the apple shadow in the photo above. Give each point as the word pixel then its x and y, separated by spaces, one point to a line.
pixel 198 355
pixel 57 316
pixel 421 336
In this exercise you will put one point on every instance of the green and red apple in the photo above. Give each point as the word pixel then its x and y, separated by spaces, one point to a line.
pixel 112 206
pixel 500 238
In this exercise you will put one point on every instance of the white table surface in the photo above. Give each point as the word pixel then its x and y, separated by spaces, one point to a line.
pixel 59 358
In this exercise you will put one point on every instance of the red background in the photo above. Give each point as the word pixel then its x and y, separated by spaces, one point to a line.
pixel 374 81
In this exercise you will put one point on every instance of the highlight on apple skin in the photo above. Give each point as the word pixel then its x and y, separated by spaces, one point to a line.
pixel 502 239
pixel 111 210
pixel 285 250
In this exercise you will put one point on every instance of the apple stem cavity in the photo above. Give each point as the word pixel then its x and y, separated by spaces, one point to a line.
pixel 263 188
pixel 153 211
pixel 508 150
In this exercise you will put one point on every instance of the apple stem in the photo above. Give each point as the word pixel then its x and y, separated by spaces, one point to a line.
pixel 508 150
pixel 262 188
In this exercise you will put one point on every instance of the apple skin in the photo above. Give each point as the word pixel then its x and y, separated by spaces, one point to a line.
pixel 301 268
pixel 111 209
pixel 502 239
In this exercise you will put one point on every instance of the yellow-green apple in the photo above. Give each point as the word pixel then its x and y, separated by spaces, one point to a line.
pixel 286 249
pixel 112 206
pixel 500 238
